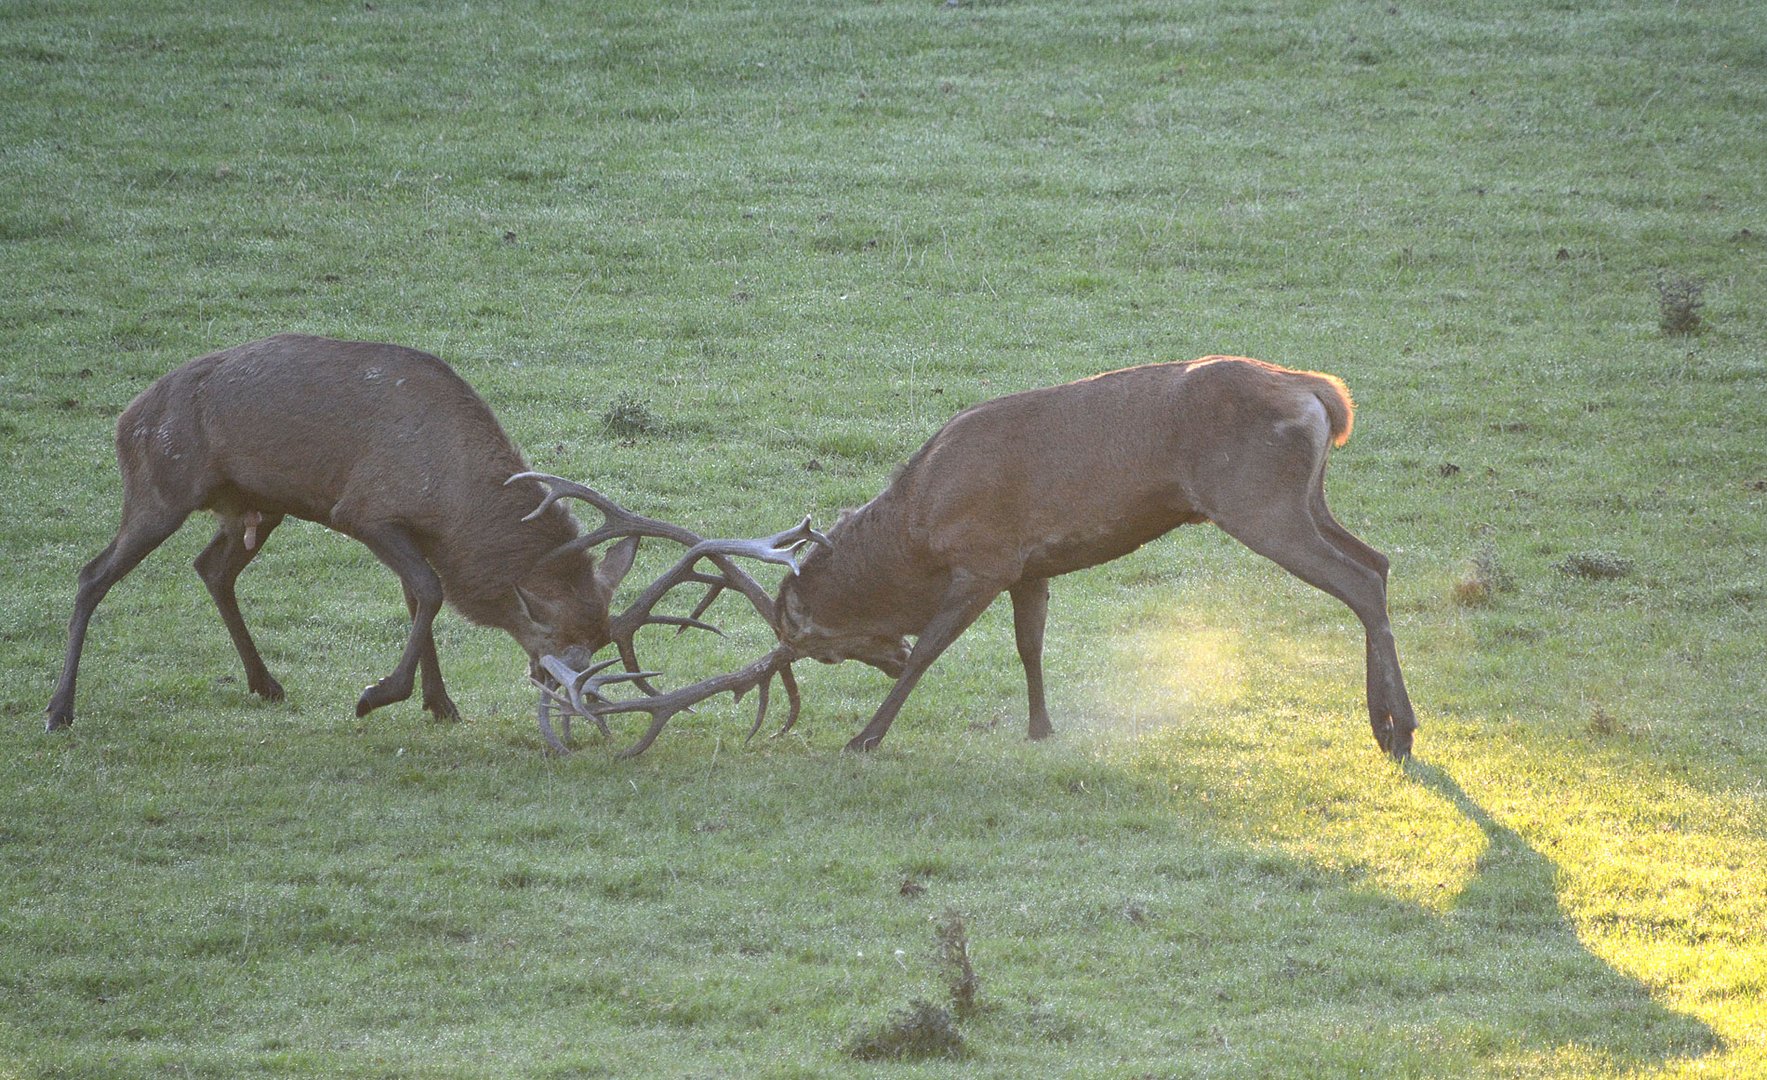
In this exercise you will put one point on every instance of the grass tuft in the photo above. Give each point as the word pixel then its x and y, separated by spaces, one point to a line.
pixel 629 417
pixel 1679 300
pixel 954 960
pixel 1483 578
pixel 1604 724
pixel 921 1030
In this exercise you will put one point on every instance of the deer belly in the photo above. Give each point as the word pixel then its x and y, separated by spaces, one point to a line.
pixel 1066 554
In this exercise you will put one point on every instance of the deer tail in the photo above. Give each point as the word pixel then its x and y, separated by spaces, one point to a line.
pixel 1339 408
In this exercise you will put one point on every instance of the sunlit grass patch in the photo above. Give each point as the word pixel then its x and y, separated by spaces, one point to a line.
pixel 1662 872
pixel 1186 665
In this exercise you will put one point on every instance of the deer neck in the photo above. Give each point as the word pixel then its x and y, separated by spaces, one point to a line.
pixel 875 576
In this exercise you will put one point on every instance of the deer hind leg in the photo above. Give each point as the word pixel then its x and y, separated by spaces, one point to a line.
pixel 1288 524
pixel 147 522
pixel 964 602
pixel 1345 540
pixel 237 541
pixel 1030 610
pixel 423 596
pixel 1385 682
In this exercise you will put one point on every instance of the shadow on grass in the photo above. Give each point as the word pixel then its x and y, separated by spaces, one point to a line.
pixel 1575 997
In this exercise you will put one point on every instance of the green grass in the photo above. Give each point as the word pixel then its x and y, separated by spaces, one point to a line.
pixel 800 237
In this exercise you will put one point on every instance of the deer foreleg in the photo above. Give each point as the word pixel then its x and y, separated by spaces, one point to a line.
pixel 423 594
pixel 435 695
pixel 964 602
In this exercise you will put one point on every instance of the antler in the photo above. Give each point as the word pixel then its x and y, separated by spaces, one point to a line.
pixel 662 707
pixel 620 522
pixel 573 695
pixel 578 692
pixel 779 548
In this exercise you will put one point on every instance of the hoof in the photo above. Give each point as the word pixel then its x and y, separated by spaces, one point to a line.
pixel 1395 741
pixel 377 695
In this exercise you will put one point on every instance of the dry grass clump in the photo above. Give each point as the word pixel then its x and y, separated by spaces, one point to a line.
pixel 1679 300
pixel 1594 565
pixel 925 1030
pixel 1483 579
pixel 629 417
pixel 960 974
pixel 922 1030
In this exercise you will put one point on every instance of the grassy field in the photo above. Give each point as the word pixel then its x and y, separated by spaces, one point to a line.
pixel 789 240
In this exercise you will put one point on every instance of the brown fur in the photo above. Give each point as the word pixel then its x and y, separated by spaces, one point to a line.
pixel 382 443
pixel 1023 488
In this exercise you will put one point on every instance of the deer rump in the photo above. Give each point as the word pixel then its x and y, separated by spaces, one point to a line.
pixel 1014 491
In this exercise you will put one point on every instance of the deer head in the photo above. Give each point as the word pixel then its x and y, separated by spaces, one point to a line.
pixel 834 633
pixel 562 604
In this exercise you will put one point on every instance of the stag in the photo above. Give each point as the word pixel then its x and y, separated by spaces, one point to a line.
pixel 1020 489
pixel 389 446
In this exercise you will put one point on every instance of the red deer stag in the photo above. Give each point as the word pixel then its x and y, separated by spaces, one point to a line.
pixel 1017 490
pixel 389 446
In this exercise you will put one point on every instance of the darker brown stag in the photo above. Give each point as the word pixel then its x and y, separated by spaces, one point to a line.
pixel 389 446
pixel 1020 489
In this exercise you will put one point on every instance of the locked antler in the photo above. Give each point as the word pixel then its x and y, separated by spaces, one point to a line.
pixel 619 522
pixel 662 707
pixel 579 692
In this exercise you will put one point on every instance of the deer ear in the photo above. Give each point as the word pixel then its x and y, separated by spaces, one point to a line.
pixel 616 563
pixel 532 607
pixel 794 611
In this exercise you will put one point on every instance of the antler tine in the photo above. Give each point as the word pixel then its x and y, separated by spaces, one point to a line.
pixel 581 689
pixel 790 682
pixel 618 521
pixel 662 707
pixel 781 547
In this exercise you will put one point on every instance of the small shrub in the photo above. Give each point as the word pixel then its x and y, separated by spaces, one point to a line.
pixel 629 417
pixel 922 1030
pixel 1679 300
pixel 1604 724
